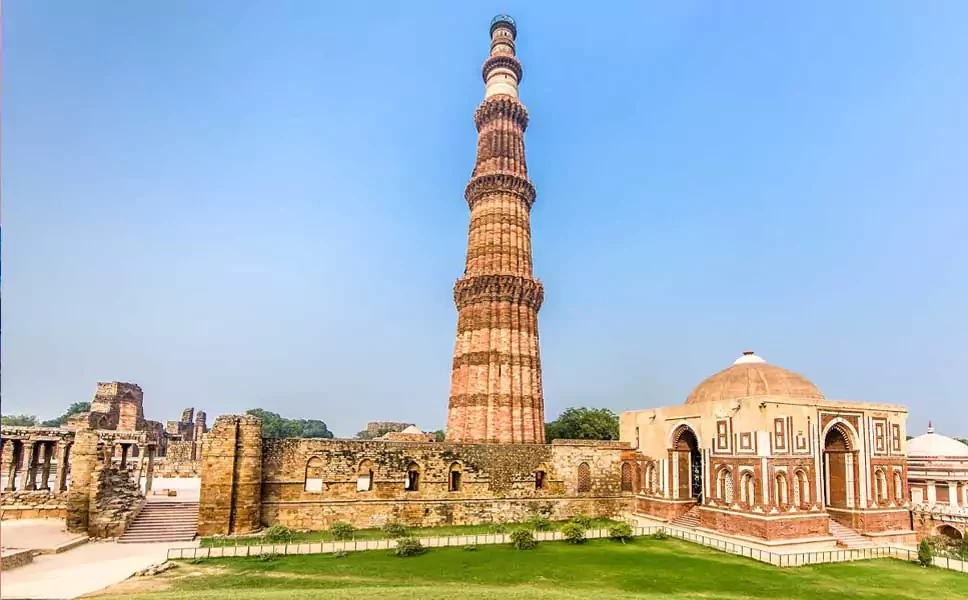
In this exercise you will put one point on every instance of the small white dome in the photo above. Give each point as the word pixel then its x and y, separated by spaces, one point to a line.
pixel 933 444
pixel 411 429
pixel 748 357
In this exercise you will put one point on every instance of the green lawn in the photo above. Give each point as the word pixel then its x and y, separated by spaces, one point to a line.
pixel 377 534
pixel 644 569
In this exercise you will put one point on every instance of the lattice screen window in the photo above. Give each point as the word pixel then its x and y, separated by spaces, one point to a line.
pixel 584 477
pixel 626 477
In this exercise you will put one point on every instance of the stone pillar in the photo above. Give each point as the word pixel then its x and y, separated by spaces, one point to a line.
pixel 30 465
pixel 124 455
pixel 953 494
pixel 150 469
pixel 62 465
pixel 932 495
pixel 230 499
pixel 84 455
pixel 16 454
pixel 45 471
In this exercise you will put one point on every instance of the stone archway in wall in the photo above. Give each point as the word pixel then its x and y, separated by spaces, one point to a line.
pixel 686 464
pixel 839 467
pixel 950 532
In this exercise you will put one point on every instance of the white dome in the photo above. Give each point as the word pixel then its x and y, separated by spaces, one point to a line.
pixel 933 444
pixel 748 358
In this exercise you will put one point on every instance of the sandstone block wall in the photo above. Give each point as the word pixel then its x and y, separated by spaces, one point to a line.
pixel 230 499
pixel 33 504
pixel 310 483
pixel 179 461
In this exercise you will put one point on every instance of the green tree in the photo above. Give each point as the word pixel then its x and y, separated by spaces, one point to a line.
pixel 583 424
pixel 439 435
pixel 275 426
pixel 19 420
pixel 73 409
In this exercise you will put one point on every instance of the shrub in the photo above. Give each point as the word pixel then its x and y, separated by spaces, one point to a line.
pixel 523 539
pixel 267 556
pixel 621 532
pixel 964 547
pixel 583 520
pixel 540 523
pixel 573 533
pixel 497 528
pixel 659 535
pixel 924 553
pixel 341 530
pixel 409 547
pixel 276 534
pixel 340 554
pixel 394 529
pixel 470 548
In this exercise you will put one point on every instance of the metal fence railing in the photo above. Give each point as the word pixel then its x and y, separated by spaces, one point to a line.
pixel 778 559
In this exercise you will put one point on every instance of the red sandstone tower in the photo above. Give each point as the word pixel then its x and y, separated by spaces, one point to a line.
pixel 495 390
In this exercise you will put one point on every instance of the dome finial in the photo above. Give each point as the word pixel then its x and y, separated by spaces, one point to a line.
pixel 930 427
pixel 748 357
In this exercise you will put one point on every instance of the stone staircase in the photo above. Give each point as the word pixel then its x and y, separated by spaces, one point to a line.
pixel 689 520
pixel 163 522
pixel 848 538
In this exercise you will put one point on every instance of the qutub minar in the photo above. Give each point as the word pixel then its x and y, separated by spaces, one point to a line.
pixel 495 391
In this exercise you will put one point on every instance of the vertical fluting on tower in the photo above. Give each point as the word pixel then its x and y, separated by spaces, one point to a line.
pixel 495 390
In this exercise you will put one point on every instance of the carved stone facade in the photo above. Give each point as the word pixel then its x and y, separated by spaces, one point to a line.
pixel 758 452
pixel 496 392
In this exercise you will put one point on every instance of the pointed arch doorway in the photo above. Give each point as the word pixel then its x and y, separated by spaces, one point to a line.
pixel 839 467
pixel 687 464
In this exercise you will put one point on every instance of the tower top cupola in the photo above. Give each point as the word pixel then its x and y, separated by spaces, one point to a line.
pixel 504 21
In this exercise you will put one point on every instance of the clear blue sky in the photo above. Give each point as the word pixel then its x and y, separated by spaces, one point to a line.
pixel 242 204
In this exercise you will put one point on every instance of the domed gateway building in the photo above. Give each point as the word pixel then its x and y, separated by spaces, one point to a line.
pixel 938 478
pixel 758 452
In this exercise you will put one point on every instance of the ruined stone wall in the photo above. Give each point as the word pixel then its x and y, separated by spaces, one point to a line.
pixel 230 499
pixel 103 496
pixel 375 428
pixel 497 482
pixel 115 496
pixel 310 483
pixel 180 460
pixel 33 504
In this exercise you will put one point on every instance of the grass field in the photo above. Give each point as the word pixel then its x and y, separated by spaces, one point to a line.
pixel 643 569
pixel 377 534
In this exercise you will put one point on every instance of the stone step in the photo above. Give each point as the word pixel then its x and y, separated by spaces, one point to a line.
pixel 183 527
pixel 163 522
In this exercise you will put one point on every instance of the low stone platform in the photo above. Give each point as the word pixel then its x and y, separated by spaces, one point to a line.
pixel 11 558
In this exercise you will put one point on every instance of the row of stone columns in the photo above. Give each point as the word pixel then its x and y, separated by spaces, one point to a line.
pixel 27 456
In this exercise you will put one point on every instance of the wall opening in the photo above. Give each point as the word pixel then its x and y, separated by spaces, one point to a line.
pixel 838 468
pixel 364 477
pixel 314 475
pixel 539 480
pixel 453 483
pixel 626 477
pixel 584 478
pixel 412 483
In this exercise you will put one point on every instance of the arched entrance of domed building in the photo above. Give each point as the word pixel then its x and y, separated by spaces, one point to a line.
pixel 838 467
pixel 686 464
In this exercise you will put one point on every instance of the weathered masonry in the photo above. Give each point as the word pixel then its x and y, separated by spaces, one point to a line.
pixel 307 484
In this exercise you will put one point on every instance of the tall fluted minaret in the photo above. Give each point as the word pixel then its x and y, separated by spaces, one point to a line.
pixel 495 390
